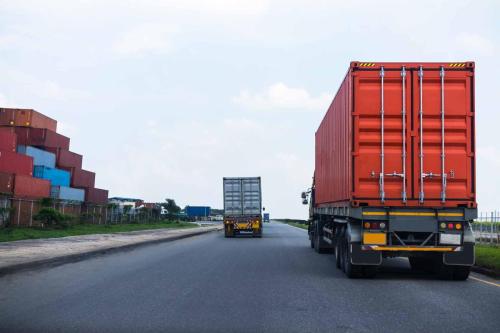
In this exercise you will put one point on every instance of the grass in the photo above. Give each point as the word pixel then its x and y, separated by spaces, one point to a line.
pixel 298 225
pixel 13 234
pixel 488 256
pixel 294 222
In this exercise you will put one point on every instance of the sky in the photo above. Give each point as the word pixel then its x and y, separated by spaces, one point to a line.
pixel 165 98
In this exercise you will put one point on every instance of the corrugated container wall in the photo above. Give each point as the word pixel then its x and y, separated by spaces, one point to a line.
pixel 40 157
pixel 386 121
pixel 67 193
pixel 8 140
pixel 57 177
pixel 6 183
pixel 66 158
pixel 16 163
pixel 29 187
pixel 26 118
pixel 41 138
pixel 197 211
pixel 96 196
pixel 81 178
pixel 242 196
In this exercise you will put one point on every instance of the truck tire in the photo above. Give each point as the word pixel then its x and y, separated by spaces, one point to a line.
pixel 452 272
pixel 352 271
pixel 317 244
pixel 461 273
pixel 257 234
pixel 337 248
pixel 421 264
pixel 311 240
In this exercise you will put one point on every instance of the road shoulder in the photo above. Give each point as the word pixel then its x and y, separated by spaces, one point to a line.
pixel 29 254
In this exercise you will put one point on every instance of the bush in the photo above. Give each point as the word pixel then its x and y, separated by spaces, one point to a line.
pixel 52 217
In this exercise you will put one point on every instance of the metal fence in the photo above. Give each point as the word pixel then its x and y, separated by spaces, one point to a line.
pixel 487 227
pixel 22 213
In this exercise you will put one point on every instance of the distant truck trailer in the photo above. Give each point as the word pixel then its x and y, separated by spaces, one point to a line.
pixel 242 206
pixel 197 211
pixel 266 218
pixel 395 169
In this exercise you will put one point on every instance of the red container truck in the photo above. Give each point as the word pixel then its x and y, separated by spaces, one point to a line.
pixel 31 188
pixel 40 137
pixel 96 196
pixel 66 158
pixel 395 169
pixel 8 140
pixel 16 163
pixel 26 118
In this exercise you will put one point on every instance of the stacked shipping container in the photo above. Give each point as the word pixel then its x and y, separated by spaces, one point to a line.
pixel 30 146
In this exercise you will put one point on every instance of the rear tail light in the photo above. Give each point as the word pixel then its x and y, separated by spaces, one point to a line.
pixel 375 225
pixel 450 226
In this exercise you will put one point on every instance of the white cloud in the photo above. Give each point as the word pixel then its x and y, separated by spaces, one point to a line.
pixel 146 38
pixel 42 88
pixel 281 97
pixel 475 44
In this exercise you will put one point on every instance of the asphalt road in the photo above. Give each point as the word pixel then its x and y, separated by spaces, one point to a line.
pixel 211 284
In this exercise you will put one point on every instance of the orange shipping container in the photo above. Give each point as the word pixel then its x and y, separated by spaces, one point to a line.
pixel 8 140
pixel 29 187
pixel 26 118
pixel 399 134
pixel 6 183
pixel 16 163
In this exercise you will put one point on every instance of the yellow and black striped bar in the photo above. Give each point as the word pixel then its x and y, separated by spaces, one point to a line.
pixel 366 64
pixel 457 65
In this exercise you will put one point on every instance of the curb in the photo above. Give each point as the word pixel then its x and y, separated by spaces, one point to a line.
pixel 52 262
pixel 485 271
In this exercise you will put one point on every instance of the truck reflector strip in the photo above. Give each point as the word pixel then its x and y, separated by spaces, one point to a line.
pixel 413 214
pixel 457 65
pixel 366 64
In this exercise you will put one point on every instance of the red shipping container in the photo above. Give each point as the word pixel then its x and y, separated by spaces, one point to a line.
pixel 26 118
pixel 369 144
pixel 41 138
pixel 6 183
pixel 29 187
pixel 66 158
pixel 96 196
pixel 81 178
pixel 8 140
pixel 16 163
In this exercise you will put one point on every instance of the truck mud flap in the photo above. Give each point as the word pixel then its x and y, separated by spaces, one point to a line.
pixel 360 257
pixel 464 257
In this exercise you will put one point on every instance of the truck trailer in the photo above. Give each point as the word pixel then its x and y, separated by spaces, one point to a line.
pixel 242 206
pixel 395 169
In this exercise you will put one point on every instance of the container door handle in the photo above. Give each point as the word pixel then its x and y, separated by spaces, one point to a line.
pixel 381 175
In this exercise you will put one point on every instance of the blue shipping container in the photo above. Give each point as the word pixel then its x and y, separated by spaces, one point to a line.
pixel 67 193
pixel 40 157
pixel 197 211
pixel 57 177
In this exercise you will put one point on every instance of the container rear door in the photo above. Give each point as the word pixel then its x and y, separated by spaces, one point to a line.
pixel 232 196
pixel 382 138
pixel 251 196
pixel 443 122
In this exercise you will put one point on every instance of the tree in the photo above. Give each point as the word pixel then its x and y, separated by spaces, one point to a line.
pixel 171 207
pixel 52 217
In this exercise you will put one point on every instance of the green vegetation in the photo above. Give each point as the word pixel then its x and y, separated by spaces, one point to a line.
pixel 488 256
pixel 294 222
pixel 13 234
pixel 298 225
pixel 51 217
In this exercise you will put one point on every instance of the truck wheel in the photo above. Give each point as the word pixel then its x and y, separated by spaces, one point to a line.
pixel 352 271
pixel 461 273
pixel 338 250
pixel 420 264
pixel 311 240
pixel 317 244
